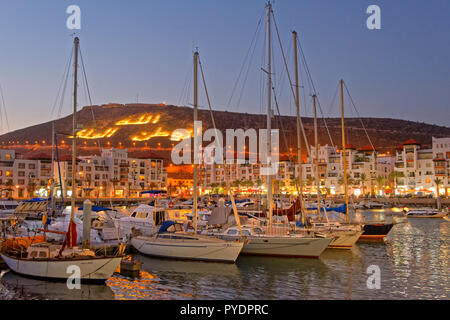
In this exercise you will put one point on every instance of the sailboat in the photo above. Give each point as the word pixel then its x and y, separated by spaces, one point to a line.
pixel 274 240
pixel 173 242
pixel 345 235
pixel 55 261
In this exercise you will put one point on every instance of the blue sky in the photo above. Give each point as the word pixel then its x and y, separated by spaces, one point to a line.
pixel 144 48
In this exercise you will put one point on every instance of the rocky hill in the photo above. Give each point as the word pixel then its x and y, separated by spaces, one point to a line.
pixel 149 126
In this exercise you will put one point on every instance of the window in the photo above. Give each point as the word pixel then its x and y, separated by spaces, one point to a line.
pixel 21 173
pixel 8 156
pixel 9 173
pixel 21 165
pixel 42 254
pixel 31 166
pixel 232 232
pixel 21 181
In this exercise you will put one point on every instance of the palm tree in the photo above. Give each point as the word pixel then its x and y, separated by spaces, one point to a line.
pixel 237 183
pixel 114 182
pixel 380 182
pixel 438 182
pixel 393 176
pixel 363 180
pixel 9 187
pixel 31 188
pixel 259 182
pixel 180 185
pixel 170 188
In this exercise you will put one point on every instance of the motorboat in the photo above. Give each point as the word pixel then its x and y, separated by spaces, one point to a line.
pixel 143 220
pixel 367 204
pixel 7 207
pixel 173 242
pixel 344 236
pixel 426 213
pixel 376 231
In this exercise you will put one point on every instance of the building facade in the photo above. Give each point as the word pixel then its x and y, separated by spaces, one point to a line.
pixel 112 174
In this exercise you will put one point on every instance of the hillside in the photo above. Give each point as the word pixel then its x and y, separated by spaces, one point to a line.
pixel 149 126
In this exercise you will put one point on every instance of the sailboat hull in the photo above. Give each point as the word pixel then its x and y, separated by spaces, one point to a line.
pixel 292 247
pixel 206 250
pixel 344 240
pixel 91 269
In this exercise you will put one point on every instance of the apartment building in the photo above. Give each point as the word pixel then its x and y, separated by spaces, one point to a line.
pixel 363 168
pixel 24 177
pixel 419 169
pixel 113 174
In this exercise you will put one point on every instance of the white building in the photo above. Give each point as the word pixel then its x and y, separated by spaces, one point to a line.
pixel 113 174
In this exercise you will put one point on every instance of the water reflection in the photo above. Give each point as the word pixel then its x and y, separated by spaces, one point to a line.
pixel 55 290
pixel 414 264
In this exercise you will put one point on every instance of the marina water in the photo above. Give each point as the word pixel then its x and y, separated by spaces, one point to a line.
pixel 414 264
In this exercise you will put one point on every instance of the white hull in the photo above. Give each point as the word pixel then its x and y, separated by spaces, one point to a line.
pixel 344 240
pixel 202 248
pixel 92 269
pixel 299 247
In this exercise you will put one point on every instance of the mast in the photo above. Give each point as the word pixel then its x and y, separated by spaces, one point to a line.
pixel 52 185
pixel 195 145
pixel 316 157
pixel 269 111
pixel 74 130
pixel 344 160
pixel 299 139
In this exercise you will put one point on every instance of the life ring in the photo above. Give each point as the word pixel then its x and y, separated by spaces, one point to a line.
pixel 171 204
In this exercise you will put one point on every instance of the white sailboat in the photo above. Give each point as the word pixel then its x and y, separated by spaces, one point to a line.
pixel 258 242
pixel 274 240
pixel 52 261
pixel 173 242
pixel 345 235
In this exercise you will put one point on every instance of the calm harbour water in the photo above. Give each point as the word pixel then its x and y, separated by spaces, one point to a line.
pixel 414 263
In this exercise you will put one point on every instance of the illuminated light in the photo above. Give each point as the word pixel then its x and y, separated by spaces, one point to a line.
pixel 178 135
pixel 91 134
pixel 143 119
pixel 145 136
pixel 156 120
pixel 357 192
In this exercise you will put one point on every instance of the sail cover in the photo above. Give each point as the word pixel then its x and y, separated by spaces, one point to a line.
pixel 289 212
pixel 71 237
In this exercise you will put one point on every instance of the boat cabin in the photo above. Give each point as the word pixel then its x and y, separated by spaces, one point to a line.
pixel 246 231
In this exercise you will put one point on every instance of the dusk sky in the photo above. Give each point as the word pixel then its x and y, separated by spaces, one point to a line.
pixel 143 50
